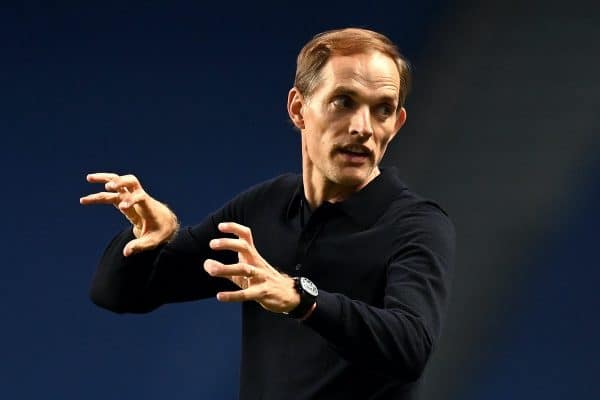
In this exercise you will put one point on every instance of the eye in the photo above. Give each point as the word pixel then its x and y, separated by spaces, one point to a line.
pixel 386 110
pixel 343 102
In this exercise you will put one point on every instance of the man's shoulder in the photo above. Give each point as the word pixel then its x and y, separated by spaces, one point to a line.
pixel 283 183
pixel 401 201
pixel 269 196
pixel 412 212
pixel 277 188
pixel 408 207
pixel 409 202
pixel 287 181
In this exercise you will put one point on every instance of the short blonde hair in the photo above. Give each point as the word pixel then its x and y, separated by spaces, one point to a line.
pixel 315 54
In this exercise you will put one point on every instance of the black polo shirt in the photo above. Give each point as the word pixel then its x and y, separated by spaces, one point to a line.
pixel 382 261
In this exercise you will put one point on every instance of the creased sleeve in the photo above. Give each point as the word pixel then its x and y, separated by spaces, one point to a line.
pixel 173 272
pixel 398 338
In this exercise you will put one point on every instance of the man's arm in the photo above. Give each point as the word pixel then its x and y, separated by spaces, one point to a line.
pixel 170 273
pixel 150 263
pixel 396 340
pixel 120 282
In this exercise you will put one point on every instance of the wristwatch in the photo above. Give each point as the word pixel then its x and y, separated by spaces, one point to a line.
pixel 308 296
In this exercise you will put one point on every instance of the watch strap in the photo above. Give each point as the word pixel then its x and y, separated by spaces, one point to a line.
pixel 306 301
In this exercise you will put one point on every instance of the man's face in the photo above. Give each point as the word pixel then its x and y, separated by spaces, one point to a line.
pixel 350 118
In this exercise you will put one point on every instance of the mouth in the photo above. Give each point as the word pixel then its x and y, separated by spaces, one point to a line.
pixel 355 153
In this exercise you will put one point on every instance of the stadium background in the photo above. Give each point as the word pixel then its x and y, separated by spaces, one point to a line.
pixel 503 130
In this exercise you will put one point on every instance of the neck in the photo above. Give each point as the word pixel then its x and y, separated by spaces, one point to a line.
pixel 318 189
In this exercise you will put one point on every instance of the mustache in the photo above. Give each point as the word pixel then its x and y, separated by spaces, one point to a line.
pixel 353 147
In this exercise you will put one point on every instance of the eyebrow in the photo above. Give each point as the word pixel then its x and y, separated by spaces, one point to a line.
pixel 354 93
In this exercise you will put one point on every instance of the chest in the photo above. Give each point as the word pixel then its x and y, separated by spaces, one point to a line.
pixel 331 250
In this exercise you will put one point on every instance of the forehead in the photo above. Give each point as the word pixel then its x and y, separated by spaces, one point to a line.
pixel 372 71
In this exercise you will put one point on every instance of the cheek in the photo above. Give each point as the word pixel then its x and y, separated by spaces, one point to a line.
pixel 320 134
pixel 382 144
pixel 313 144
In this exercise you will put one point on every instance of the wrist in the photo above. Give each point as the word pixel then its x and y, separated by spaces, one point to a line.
pixel 307 293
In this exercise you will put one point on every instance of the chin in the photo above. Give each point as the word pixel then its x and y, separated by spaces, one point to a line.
pixel 356 178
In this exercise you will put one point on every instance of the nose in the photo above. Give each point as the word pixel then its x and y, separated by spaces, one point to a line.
pixel 360 123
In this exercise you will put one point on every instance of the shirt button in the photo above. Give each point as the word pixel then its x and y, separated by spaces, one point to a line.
pixel 298 267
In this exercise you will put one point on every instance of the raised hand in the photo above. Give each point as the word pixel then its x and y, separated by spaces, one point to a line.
pixel 258 280
pixel 153 222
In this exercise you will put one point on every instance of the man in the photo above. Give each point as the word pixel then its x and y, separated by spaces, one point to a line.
pixel 379 255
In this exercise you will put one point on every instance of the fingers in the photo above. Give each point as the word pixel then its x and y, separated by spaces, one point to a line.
pixel 241 231
pixel 122 201
pixel 123 183
pixel 215 268
pixel 243 245
pixel 114 182
pixel 128 200
pixel 99 198
pixel 237 245
pixel 254 292
pixel 139 245
pixel 100 177
pixel 121 191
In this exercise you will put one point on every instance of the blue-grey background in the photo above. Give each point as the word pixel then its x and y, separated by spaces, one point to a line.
pixel 502 130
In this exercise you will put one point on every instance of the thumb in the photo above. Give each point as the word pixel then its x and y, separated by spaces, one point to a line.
pixel 138 245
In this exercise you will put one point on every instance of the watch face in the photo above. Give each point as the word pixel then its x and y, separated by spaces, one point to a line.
pixel 308 286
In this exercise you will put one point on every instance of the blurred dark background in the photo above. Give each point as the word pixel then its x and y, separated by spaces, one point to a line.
pixel 503 130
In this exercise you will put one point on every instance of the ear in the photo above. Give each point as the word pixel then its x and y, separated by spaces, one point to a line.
pixel 295 103
pixel 400 120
